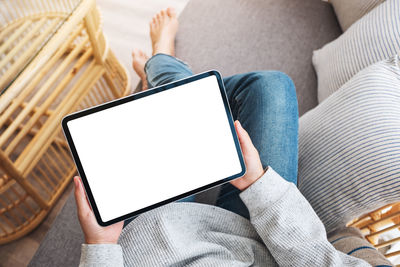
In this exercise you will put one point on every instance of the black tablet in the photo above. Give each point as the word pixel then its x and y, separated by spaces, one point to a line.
pixel 148 149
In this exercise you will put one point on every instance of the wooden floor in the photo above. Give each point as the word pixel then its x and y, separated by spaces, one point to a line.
pixel 125 24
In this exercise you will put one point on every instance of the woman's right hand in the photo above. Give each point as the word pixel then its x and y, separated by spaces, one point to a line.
pixel 94 233
pixel 251 159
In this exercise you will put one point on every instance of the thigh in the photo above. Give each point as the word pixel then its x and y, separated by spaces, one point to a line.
pixel 266 105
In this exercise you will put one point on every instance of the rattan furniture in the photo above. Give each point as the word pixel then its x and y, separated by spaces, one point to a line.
pixel 381 228
pixel 54 60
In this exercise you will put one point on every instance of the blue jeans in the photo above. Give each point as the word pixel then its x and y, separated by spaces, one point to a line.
pixel 264 102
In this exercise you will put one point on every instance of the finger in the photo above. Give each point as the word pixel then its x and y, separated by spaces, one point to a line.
pixel 244 138
pixel 80 197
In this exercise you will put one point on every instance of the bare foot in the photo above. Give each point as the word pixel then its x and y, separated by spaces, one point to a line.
pixel 138 62
pixel 163 28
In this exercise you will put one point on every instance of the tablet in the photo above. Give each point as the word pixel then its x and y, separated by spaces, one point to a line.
pixel 148 149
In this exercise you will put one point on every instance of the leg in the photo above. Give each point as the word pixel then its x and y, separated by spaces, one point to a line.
pixel 162 67
pixel 266 105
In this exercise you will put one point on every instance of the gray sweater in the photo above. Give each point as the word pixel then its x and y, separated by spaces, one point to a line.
pixel 283 230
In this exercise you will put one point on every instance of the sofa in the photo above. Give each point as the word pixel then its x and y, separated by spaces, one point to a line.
pixel 232 37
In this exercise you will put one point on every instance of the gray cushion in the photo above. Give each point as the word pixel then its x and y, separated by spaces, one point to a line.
pixel 240 36
pixel 230 36
pixel 373 38
pixel 349 11
pixel 349 147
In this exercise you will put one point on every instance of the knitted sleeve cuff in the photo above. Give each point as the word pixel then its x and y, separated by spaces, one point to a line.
pixel 264 192
pixel 101 255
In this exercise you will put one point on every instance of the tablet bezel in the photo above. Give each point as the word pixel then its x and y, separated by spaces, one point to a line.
pixel 133 97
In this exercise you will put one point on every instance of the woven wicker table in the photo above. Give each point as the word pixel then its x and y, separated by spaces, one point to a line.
pixel 54 60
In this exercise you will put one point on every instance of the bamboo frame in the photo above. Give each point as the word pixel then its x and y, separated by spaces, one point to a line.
pixel 32 85
pixel 74 70
pixel 47 51
pixel 375 224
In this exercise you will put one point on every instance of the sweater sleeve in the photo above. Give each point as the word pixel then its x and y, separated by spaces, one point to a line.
pixel 288 225
pixel 107 255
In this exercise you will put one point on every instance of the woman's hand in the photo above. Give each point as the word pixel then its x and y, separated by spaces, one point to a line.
pixel 251 158
pixel 94 233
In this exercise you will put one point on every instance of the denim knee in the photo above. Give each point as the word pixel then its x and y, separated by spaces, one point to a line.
pixel 163 60
pixel 273 87
pixel 162 68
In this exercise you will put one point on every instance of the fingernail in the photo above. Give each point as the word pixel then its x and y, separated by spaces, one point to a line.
pixel 238 122
pixel 76 182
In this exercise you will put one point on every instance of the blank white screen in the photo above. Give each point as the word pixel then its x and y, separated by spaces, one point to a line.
pixel 156 147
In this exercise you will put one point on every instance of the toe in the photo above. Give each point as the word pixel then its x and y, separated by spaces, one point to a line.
pixel 158 20
pixel 154 24
pixel 141 54
pixel 171 12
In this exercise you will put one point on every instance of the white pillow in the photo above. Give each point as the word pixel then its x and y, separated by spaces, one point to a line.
pixel 349 146
pixel 373 38
pixel 349 11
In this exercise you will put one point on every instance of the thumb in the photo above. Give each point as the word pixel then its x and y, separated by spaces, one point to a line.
pixel 244 139
pixel 80 197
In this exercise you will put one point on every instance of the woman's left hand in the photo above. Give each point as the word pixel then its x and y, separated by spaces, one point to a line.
pixel 94 233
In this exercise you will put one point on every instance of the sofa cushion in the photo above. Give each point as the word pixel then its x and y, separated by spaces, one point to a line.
pixel 241 36
pixel 373 38
pixel 62 244
pixel 349 11
pixel 349 147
